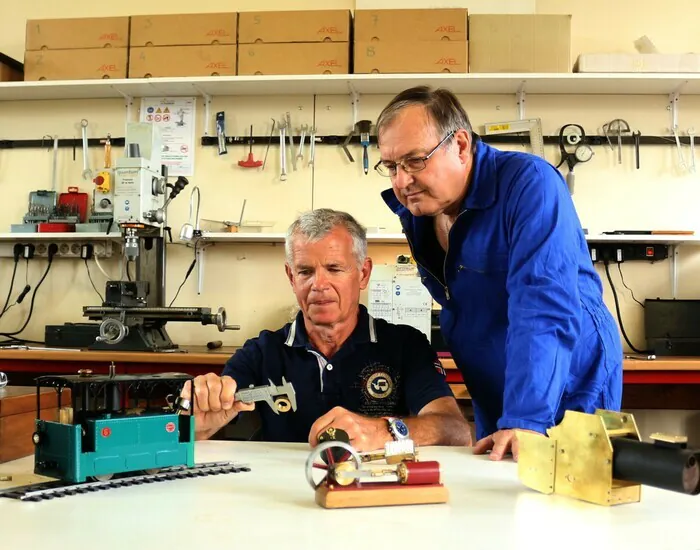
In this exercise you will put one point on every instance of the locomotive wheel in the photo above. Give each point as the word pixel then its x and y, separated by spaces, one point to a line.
pixel 103 477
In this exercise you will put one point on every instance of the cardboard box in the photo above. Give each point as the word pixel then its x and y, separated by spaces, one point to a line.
pixel 423 25
pixel 18 414
pixel 520 43
pixel 155 61
pixel 198 29
pixel 637 63
pixel 69 34
pixel 411 57
pixel 272 27
pixel 11 70
pixel 76 64
pixel 294 59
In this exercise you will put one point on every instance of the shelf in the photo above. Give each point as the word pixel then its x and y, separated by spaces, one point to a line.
pixel 475 83
pixel 398 238
pixel 661 239
pixel 372 238
pixel 59 236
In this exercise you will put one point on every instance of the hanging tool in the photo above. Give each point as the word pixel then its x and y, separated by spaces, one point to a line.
pixel 221 132
pixel 54 165
pixel 532 127
pixel 300 155
pixel 312 145
pixel 250 162
pixel 108 151
pixel 636 135
pixel 620 127
pixel 291 141
pixel 87 173
pixel 269 142
pixel 283 154
pixel 691 138
pixel 345 144
pixel 364 127
pixel 573 135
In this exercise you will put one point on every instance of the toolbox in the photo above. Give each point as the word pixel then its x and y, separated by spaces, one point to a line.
pixel 72 207
pixel 41 207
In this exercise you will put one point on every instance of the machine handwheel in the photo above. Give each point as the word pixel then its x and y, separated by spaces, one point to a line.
pixel 322 460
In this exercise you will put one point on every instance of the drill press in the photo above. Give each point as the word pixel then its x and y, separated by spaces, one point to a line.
pixel 133 315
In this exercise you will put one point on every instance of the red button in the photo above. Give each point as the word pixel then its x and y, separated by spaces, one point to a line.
pixel 650 251
pixel 99 180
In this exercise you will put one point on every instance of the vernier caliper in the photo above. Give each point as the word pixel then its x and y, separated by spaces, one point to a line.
pixel 268 393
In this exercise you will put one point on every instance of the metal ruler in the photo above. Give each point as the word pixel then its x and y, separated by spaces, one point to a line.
pixel 531 126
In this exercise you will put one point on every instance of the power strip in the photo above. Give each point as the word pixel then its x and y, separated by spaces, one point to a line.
pixel 68 248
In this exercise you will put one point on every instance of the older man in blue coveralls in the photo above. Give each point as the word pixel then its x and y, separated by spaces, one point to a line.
pixel 500 247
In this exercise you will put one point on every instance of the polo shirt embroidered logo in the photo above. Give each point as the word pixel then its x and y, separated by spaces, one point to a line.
pixel 380 385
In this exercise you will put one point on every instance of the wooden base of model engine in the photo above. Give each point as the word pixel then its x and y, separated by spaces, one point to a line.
pixel 348 481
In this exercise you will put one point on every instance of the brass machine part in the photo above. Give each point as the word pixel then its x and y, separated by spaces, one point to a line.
pixel 576 460
pixel 600 458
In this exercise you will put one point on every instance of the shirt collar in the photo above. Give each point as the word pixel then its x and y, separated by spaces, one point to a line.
pixel 365 331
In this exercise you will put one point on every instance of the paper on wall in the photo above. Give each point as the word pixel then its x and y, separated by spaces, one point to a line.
pixel 176 118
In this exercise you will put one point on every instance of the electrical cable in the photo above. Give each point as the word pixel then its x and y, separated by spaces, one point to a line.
pixel 12 285
pixel 619 315
pixel 189 271
pixel 52 252
pixel 622 278
pixel 87 268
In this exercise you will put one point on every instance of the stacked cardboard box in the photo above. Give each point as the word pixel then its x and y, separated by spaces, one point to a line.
pixel 520 43
pixel 70 49
pixel 183 45
pixel 294 42
pixel 411 41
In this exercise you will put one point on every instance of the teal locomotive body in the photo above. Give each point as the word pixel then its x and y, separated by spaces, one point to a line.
pixel 115 425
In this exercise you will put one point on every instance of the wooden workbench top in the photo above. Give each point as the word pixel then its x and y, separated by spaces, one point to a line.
pixel 191 355
pixel 200 355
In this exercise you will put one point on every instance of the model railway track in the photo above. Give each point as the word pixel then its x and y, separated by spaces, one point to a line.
pixel 58 489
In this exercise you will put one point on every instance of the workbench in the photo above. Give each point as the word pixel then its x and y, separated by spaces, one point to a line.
pixel 665 382
pixel 272 506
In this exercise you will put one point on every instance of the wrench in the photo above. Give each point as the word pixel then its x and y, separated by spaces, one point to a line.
pixel 283 153
pixel 312 145
pixel 87 173
pixel 291 141
pixel 300 155
pixel 691 136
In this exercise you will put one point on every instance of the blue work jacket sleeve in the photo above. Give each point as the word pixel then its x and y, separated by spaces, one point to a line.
pixel 544 306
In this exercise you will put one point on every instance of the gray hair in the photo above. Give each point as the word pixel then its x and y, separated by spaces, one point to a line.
pixel 316 224
pixel 442 106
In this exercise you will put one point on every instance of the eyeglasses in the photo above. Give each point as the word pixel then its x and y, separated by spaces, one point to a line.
pixel 410 164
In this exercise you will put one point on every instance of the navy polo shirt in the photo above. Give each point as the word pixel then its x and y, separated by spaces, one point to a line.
pixel 382 369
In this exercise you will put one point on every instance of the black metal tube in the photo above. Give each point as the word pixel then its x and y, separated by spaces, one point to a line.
pixel 657 465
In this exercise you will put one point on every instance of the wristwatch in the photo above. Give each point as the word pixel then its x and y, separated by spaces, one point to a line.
pixel 397 428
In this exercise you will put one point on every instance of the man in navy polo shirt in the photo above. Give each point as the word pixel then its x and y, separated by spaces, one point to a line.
pixel 375 380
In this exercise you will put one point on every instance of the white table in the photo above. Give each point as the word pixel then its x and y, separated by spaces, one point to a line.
pixel 272 506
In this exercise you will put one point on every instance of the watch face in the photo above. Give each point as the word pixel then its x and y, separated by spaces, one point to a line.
pixel 401 428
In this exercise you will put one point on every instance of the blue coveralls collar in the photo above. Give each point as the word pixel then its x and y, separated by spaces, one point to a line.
pixel 365 331
pixel 482 188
